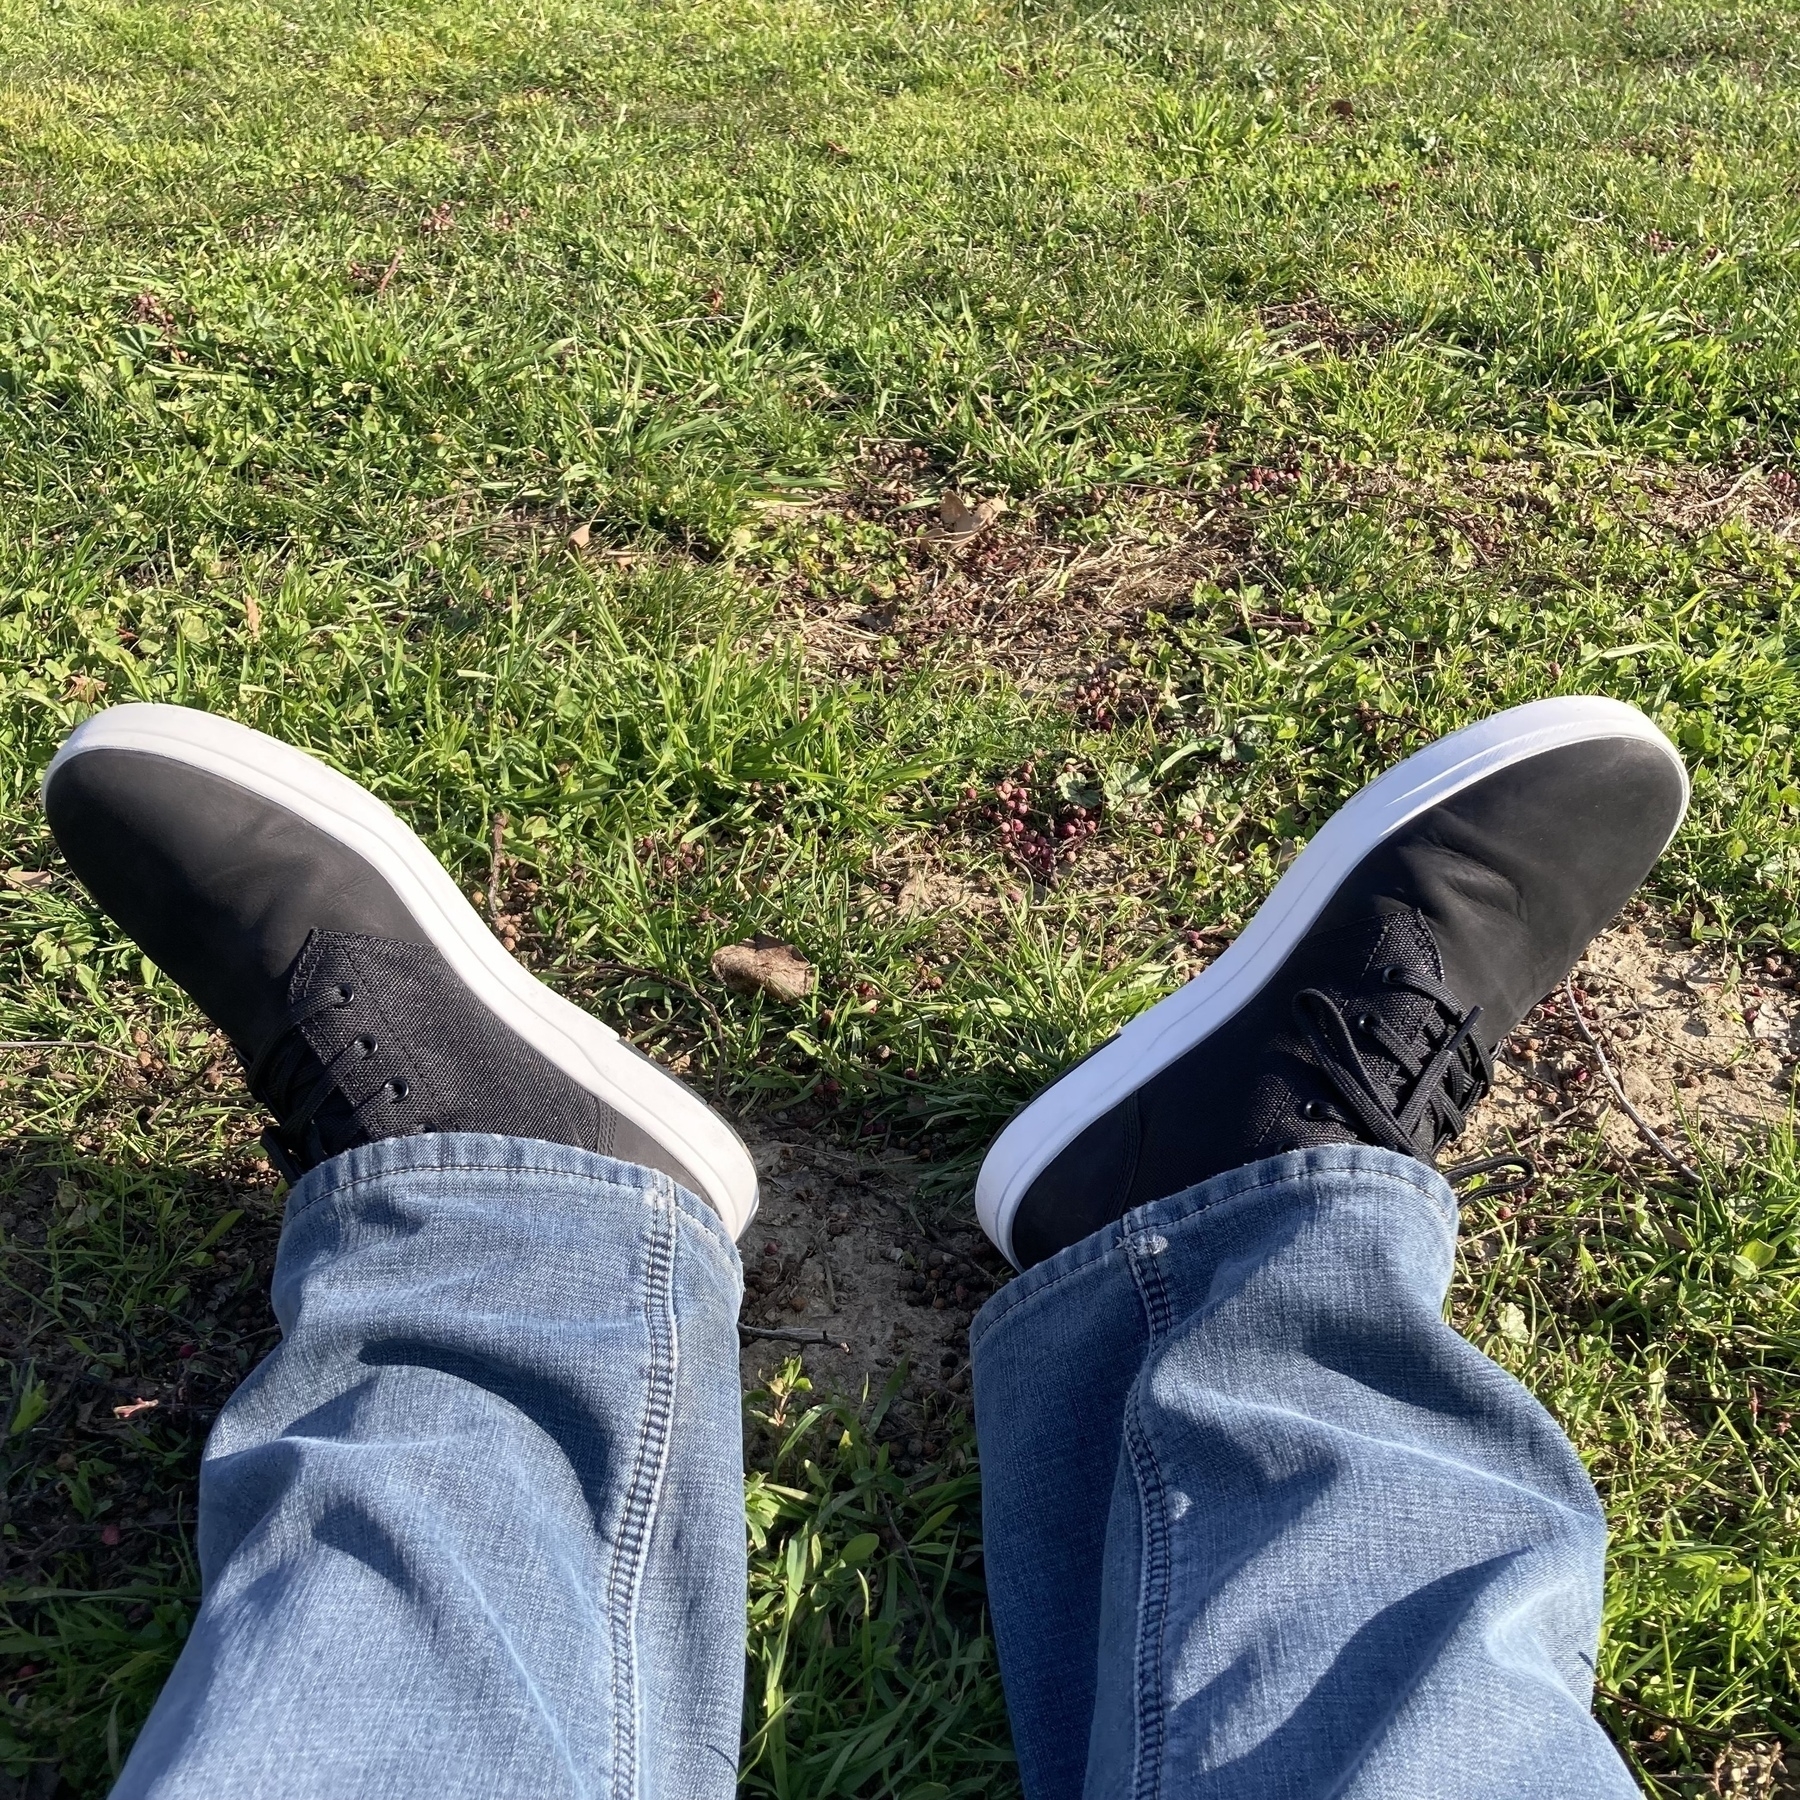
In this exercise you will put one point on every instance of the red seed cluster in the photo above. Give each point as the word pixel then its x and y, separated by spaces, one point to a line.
pixel 1096 702
pixel 1263 479
pixel 147 309
pixel 1040 833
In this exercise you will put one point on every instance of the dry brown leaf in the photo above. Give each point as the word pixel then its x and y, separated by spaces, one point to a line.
pixel 578 538
pixel 958 519
pixel 26 878
pixel 764 965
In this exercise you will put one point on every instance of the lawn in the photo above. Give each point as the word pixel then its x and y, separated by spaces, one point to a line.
pixel 580 424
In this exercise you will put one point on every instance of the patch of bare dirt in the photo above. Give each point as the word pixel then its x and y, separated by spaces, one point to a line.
pixel 895 568
pixel 1690 499
pixel 912 883
pixel 898 566
pixel 1483 509
pixel 1310 327
pixel 1702 1039
pixel 1754 1771
pixel 842 1270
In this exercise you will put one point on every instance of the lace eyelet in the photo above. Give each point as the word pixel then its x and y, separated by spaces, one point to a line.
pixel 1361 1021
pixel 1391 974
pixel 345 995
pixel 367 1046
pixel 1310 1109
pixel 397 1089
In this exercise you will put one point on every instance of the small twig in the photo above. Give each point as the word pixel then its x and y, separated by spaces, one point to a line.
pixel 1612 1081
pixel 1731 493
pixel 632 972
pixel 793 1335
pixel 387 274
pixel 905 1550
pixel 497 850
pixel 68 1044
pixel 1649 1712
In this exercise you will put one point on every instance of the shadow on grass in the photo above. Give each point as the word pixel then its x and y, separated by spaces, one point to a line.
pixel 136 1299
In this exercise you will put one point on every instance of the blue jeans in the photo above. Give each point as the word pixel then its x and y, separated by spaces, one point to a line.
pixel 1258 1523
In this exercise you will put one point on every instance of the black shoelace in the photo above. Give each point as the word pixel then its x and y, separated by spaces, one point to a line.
pixel 278 1077
pixel 1445 1082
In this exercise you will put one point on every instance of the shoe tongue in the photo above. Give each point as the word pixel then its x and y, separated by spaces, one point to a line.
pixel 301 978
pixel 302 1049
pixel 1401 939
pixel 303 971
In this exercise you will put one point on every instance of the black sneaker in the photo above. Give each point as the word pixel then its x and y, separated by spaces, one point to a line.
pixel 1364 1002
pixel 363 993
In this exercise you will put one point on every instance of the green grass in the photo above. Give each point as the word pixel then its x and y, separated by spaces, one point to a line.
pixel 1453 330
pixel 870 1667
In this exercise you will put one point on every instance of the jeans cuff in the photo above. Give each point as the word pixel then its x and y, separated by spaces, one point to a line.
pixel 1327 1165
pixel 488 1153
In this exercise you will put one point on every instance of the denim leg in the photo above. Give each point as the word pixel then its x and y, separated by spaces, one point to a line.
pixel 1258 1522
pixel 476 1527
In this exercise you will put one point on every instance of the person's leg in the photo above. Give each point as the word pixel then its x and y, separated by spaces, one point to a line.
pixel 1259 1522
pixel 476 1526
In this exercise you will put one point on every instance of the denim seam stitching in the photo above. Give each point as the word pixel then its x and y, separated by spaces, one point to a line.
pixel 1153 1588
pixel 625 1578
pixel 1145 1249
pixel 1011 1295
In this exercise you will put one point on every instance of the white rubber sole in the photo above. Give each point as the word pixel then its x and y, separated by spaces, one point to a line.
pixel 1172 1027
pixel 583 1048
